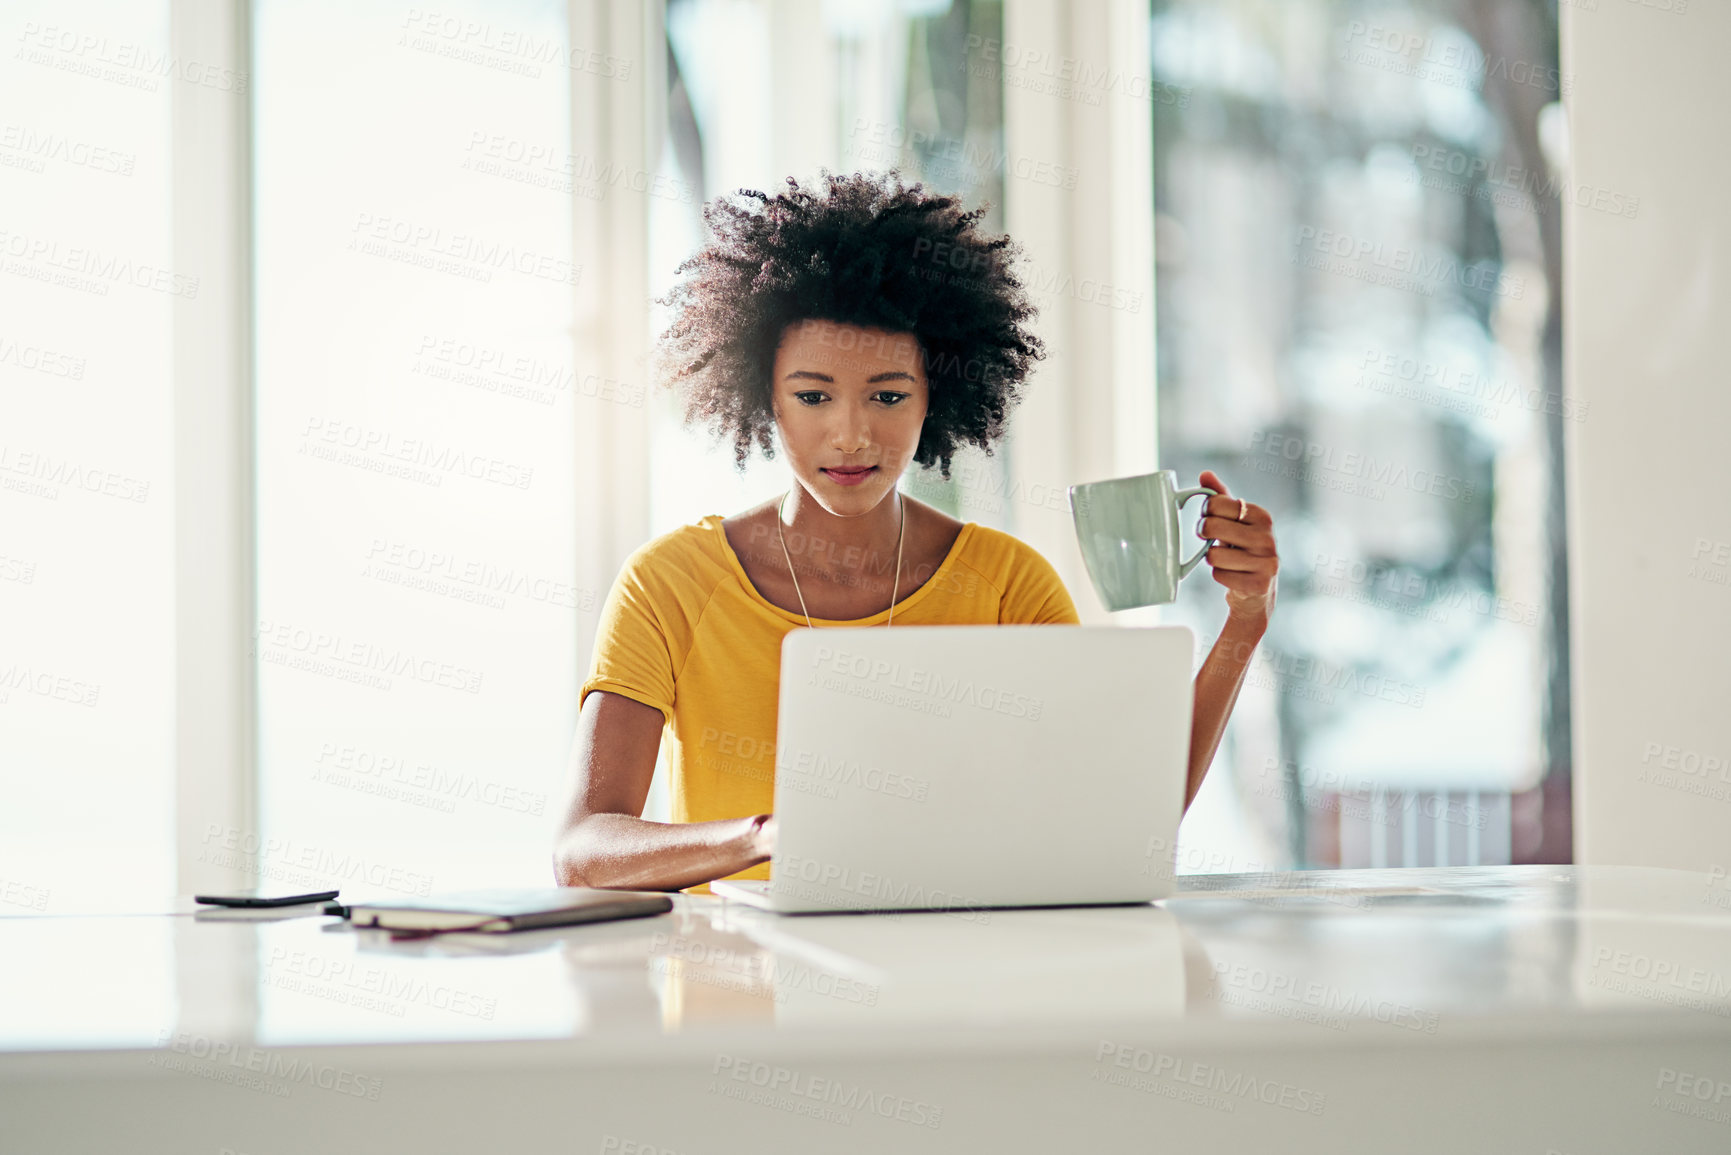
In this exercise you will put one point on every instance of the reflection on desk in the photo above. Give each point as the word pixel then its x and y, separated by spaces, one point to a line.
pixel 1421 952
pixel 1575 1010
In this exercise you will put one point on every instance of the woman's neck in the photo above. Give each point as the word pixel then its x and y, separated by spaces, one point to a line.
pixel 820 541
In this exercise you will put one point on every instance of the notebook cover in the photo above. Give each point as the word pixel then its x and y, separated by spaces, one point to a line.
pixel 515 907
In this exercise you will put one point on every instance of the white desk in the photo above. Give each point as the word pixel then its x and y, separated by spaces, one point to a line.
pixel 1528 1009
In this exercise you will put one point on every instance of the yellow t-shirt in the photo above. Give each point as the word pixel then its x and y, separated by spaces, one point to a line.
pixel 684 630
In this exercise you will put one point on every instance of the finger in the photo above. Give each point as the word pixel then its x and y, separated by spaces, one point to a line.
pixel 1212 480
pixel 1229 532
pixel 1223 557
pixel 1228 507
pixel 1248 584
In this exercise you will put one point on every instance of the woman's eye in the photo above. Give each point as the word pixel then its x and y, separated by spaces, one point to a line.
pixel 888 397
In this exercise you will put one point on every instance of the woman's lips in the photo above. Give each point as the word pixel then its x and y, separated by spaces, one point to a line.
pixel 849 476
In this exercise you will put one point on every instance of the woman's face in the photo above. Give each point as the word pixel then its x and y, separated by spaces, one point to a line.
pixel 849 404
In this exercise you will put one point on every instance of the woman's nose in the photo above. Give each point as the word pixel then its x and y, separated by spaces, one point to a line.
pixel 852 432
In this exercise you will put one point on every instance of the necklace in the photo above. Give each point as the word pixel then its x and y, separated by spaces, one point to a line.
pixel 901 530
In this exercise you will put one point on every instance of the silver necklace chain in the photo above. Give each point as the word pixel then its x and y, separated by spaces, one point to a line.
pixel 901 530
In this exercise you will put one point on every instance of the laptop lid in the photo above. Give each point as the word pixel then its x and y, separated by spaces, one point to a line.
pixel 979 766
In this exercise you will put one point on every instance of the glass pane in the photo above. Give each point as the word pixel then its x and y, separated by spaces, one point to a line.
pixel 417 673
pixel 1359 327
pixel 86 465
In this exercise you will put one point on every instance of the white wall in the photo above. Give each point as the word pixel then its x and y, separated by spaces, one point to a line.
pixel 1648 338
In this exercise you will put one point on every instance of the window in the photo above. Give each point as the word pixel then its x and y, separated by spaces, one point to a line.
pixel 1359 326
pixel 87 289
pixel 416 401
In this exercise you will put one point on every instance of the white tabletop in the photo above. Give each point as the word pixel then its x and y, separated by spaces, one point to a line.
pixel 1525 1009
pixel 1325 958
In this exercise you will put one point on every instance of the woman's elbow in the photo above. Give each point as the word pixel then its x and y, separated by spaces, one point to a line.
pixel 572 865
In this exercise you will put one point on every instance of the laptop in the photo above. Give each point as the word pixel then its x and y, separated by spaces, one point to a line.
pixel 967 768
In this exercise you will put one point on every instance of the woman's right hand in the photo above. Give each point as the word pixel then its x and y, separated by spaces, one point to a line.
pixel 763 838
pixel 605 842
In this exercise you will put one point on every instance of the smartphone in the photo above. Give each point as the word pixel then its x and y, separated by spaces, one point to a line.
pixel 262 896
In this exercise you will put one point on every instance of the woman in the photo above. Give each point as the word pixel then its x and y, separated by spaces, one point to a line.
pixel 868 327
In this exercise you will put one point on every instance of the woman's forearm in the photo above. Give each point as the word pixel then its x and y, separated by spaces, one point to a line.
pixel 619 851
pixel 1217 685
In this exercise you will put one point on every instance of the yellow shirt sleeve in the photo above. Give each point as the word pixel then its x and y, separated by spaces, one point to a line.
pixel 1034 594
pixel 633 642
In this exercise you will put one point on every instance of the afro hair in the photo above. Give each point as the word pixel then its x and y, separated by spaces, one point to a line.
pixel 870 253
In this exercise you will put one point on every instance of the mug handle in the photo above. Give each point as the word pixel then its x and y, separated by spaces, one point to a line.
pixel 1182 496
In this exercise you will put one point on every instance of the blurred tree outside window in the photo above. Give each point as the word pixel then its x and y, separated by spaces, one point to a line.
pixel 1359 326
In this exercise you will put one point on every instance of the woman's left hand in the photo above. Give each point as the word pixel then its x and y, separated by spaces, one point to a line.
pixel 1244 560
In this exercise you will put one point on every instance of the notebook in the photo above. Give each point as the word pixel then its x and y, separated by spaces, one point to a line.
pixel 509 909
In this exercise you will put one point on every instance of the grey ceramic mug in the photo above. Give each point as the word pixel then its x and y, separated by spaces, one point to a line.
pixel 1128 530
